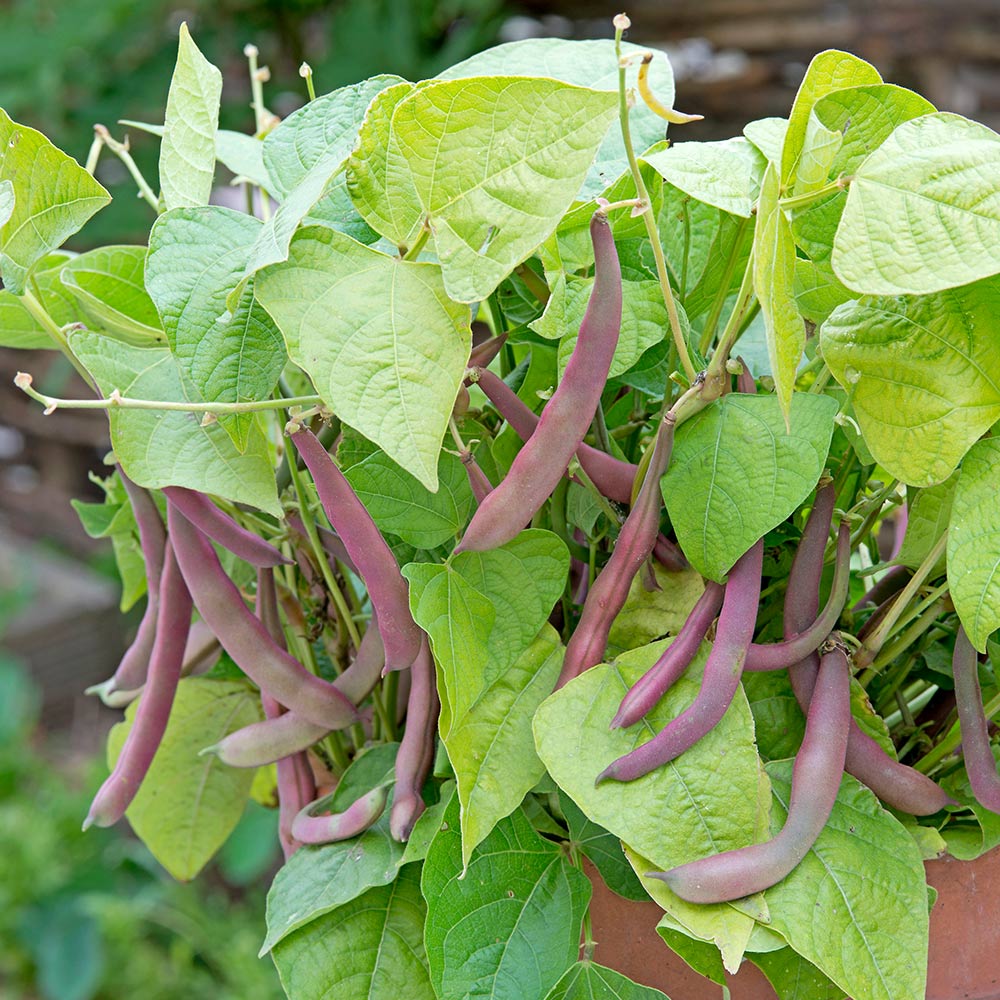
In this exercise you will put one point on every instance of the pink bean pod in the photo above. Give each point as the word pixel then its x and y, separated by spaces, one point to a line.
pixel 980 764
pixel 246 639
pixel 482 354
pixel 221 528
pixel 816 774
pixel 368 550
pixel 719 683
pixel 153 713
pixel 543 460
pixel 668 554
pixel 308 828
pixel 643 696
pixel 481 486
pixel 635 542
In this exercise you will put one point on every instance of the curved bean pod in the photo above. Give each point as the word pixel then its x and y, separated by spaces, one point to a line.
pixel 642 697
pixel 668 554
pixel 481 486
pixel 979 762
pixel 482 354
pixel 416 751
pixel 635 542
pixel 367 548
pixel 150 722
pixel 355 819
pixel 720 680
pixel 540 464
pixel 782 655
pixel 815 783
pixel 265 742
pixel 245 638
pixel 221 528
pixel 890 585
pixel 612 476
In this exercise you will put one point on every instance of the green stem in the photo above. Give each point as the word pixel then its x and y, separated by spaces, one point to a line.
pixel 421 241
pixel 716 373
pixel 600 426
pixel 305 71
pixel 256 89
pixel 533 283
pixel 647 216
pixel 94 155
pixel 390 691
pixel 121 150
pixel 794 202
pixel 40 313
pixel 708 333
pixel 951 741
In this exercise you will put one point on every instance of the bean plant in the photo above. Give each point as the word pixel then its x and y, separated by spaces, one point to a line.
pixel 519 486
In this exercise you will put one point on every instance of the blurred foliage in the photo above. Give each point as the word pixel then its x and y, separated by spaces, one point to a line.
pixel 68 65
pixel 92 916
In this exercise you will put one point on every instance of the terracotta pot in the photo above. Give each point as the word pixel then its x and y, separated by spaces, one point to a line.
pixel 964 941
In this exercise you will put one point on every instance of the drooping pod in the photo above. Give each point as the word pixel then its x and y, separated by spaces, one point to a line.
pixel 635 542
pixel 308 828
pixel 368 550
pixel 543 460
pixel 478 481
pixel 245 638
pixel 980 764
pixel 816 775
pixel 719 682
pixel 153 713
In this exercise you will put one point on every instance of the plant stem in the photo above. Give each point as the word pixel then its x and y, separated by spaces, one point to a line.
pixel 716 376
pixel 801 200
pixel 120 149
pixel 647 216
pixel 421 241
pixel 94 155
pixel 708 333
pixel 600 426
pixel 40 313
pixel 533 283
pixel 256 89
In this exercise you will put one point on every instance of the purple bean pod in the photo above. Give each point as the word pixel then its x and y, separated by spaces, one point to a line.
pixel 643 696
pixel 265 742
pixel 567 416
pixel 246 639
pixel 668 554
pixel 481 486
pixel 815 783
pixel 719 683
pixel 355 819
pixel 150 722
pixel 416 751
pixel 367 548
pixel 890 585
pixel 202 650
pixel 783 655
pixel 635 542
pixel 221 528
pixel 330 540
pixel 980 764
pixel 745 381
pixel 482 354
pixel 612 476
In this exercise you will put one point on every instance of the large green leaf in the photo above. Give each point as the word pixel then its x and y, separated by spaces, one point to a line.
pixel 189 804
pixel 169 448
pixel 49 197
pixel 109 284
pixel 378 943
pixel 18 327
pixel 974 543
pixel 794 978
pixel 865 876
pixel 243 155
pixel 196 257
pixel 586 64
pixel 187 149
pixel 506 926
pixel 774 283
pixel 652 614
pixel 381 340
pixel 768 135
pixel 485 213
pixel 589 981
pixel 921 209
pixel 829 71
pixel 928 514
pixel 922 370
pixel 736 473
pixel 724 174
pixel 403 507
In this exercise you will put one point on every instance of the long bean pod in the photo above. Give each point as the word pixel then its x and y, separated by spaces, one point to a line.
pixel 543 460
pixel 308 828
pixel 668 554
pixel 980 764
pixel 816 774
pixel 153 713
pixel 245 638
pixel 368 550
pixel 635 542
pixel 719 682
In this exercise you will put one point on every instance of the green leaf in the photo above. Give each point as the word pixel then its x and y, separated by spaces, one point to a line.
pixel 196 257
pixel 816 290
pixel 109 284
pixel 403 507
pixel 818 153
pixel 378 943
pixel 921 208
pixel 243 155
pixel 968 841
pixel 724 174
pixel 586 64
pixel 653 614
pixel 589 981
pixel 53 196
pixel 736 473
pixel 427 826
pixel 7 202
pixel 778 720
pixel 774 281
pixel 508 925
pixel 928 514
pixel 974 543
pixel 379 337
pixel 167 448
pixel 865 875
pixel 491 747
pixel 187 150
pixel 702 956
pixel 485 213
pixel 829 71
pixel 188 804
pixel 922 373
pixel 794 978
pixel 768 135
pixel 18 328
